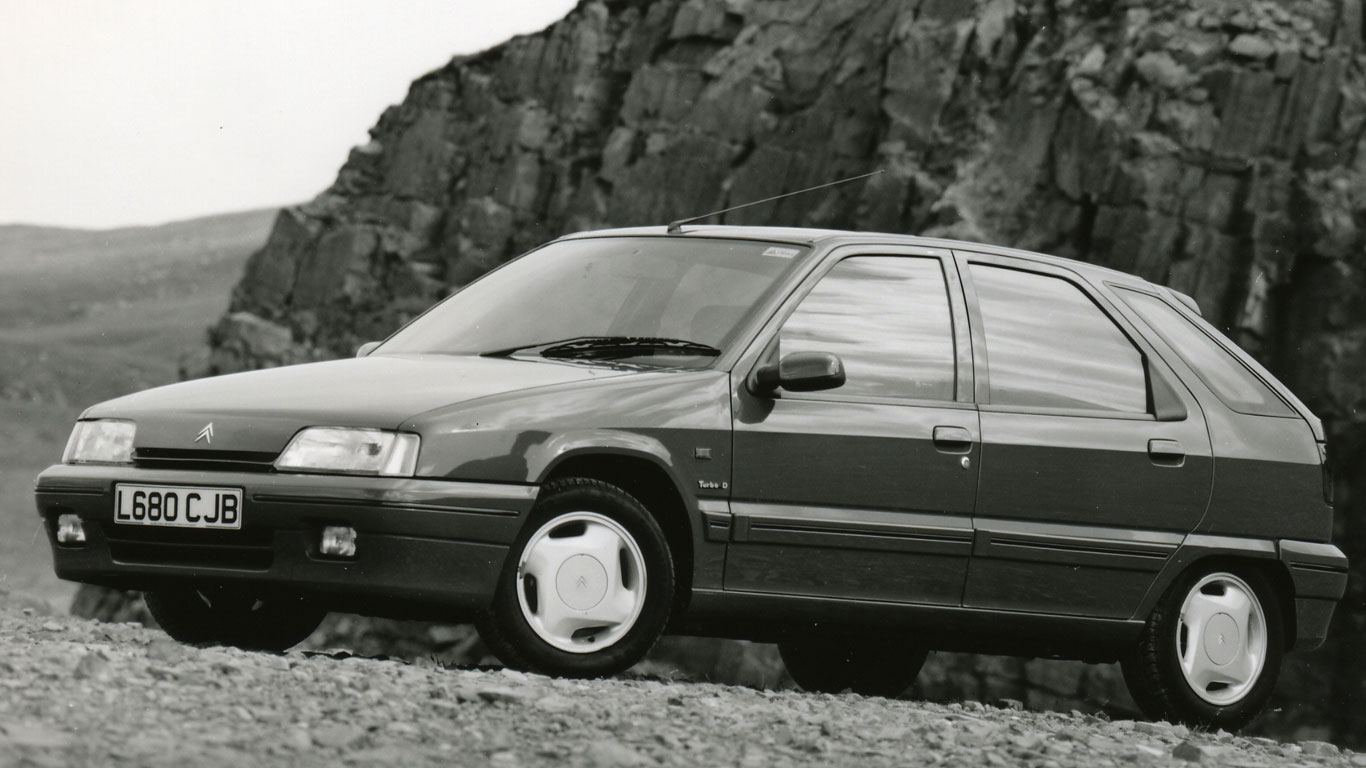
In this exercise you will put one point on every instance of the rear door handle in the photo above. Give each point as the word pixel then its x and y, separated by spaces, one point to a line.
pixel 953 439
pixel 1166 453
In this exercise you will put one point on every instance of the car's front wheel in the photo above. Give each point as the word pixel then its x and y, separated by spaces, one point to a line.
pixel 1211 651
pixel 872 666
pixel 232 616
pixel 588 585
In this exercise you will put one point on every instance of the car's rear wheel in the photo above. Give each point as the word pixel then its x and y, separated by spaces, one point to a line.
pixel 233 616
pixel 1211 651
pixel 588 585
pixel 874 666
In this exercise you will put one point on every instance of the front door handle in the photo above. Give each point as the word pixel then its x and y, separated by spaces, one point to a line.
pixel 1166 453
pixel 953 439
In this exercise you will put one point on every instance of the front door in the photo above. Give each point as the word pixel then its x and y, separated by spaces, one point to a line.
pixel 864 491
pixel 1095 459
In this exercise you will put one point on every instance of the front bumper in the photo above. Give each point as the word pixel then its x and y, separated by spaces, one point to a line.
pixel 1318 573
pixel 418 542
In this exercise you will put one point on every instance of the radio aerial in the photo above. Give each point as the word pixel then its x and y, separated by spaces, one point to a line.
pixel 677 226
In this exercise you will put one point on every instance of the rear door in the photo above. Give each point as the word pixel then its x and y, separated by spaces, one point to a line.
pixel 1095 458
pixel 864 491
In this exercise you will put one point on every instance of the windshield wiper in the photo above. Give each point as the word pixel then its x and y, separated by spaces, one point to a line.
pixel 612 347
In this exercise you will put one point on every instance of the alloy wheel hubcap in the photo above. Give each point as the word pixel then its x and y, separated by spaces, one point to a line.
pixel 581 582
pixel 1221 638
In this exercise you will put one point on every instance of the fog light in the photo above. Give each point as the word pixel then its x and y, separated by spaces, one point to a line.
pixel 338 541
pixel 70 530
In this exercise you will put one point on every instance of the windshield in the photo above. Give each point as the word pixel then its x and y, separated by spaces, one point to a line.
pixel 656 300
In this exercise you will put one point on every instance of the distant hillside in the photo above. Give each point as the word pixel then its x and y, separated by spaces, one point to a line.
pixel 49 273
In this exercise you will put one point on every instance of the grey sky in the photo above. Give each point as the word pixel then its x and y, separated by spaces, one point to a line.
pixel 145 111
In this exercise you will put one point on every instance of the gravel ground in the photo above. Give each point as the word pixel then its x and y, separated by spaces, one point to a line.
pixel 75 693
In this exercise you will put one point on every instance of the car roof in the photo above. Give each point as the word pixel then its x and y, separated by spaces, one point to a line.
pixel 833 237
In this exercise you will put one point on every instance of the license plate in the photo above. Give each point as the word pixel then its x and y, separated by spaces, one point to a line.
pixel 178 507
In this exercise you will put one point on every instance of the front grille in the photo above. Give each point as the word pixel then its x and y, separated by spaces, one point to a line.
pixel 245 550
pixel 213 461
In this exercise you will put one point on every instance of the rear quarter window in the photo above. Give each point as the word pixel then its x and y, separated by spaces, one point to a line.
pixel 1231 381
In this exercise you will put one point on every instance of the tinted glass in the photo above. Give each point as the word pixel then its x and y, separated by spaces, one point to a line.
pixel 887 317
pixel 679 288
pixel 1049 345
pixel 1216 366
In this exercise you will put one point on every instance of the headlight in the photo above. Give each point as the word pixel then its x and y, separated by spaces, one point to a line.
pixel 101 441
pixel 351 451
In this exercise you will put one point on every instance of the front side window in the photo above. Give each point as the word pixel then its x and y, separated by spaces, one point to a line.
pixel 887 318
pixel 1214 364
pixel 1050 346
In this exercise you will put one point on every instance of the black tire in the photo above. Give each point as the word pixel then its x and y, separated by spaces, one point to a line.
pixel 881 666
pixel 1153 672
pixel 224 615
pixel 505 627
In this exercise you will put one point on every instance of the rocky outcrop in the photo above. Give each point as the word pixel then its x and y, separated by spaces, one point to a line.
pixel 1210 145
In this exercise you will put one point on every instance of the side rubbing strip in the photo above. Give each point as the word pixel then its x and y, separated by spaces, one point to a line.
pixel 853 529
pixel 1075 545
pixel 716 518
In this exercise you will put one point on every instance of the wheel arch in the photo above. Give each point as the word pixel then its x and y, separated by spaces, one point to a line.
pixel 644 477
pixel 1276 573
pixel 1254 558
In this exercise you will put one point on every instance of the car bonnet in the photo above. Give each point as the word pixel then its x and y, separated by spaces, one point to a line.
pixel 259 411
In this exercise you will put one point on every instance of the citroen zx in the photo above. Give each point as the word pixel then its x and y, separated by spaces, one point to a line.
pixel 862 447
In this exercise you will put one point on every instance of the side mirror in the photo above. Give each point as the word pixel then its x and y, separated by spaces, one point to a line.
pixel 366 348
pixel 799 372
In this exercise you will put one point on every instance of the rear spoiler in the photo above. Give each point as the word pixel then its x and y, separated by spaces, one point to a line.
pixel 1190 303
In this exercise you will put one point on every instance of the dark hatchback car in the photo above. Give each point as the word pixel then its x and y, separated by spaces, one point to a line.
pixel 862 447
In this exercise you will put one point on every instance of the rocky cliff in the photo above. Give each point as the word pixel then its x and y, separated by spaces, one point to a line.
pixel 1212 145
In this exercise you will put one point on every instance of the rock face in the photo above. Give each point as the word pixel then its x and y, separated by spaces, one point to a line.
pixel 1213 146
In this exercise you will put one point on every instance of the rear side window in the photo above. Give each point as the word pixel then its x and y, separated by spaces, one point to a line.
pixel 1223 373
pixel 1050 346
pixel 887 318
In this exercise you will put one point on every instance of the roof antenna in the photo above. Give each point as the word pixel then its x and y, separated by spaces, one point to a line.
pixel 677 226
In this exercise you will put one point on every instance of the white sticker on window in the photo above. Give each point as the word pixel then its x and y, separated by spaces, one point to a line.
pixel 782 253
